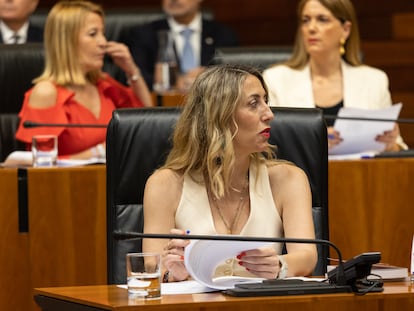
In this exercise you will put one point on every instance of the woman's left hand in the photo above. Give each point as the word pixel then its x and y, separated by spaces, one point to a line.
pixel 389 138
pixel 262 262
pixel 121 56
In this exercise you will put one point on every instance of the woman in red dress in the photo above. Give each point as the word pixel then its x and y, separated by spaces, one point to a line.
pixel 73 88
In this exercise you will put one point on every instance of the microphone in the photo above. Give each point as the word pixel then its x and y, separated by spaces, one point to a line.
pixel 340 279
pixel 32 124
pixel 399 120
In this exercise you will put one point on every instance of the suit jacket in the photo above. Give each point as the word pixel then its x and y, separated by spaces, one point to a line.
pixel 34 34
pixel 143 44
pixel 364 87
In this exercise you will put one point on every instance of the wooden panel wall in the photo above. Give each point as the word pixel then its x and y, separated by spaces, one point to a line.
pixel 386 33
pixel 273 21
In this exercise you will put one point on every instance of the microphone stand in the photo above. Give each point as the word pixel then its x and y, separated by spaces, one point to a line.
pixel 31 124
pixel 119 235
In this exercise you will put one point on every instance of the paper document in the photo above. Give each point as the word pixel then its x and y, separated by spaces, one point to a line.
pixel 201 257
pixel 25 159
pixel 182 287
pixel 359 135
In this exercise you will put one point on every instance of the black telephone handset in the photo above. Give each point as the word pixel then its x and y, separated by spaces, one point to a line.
pixel 356 268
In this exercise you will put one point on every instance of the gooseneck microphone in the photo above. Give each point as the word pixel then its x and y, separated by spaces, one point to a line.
pixel 340 280
pixel 32 124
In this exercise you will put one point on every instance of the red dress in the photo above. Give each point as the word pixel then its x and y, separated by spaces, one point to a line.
pixel 113 95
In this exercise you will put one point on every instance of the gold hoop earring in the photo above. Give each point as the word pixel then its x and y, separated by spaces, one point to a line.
pixel 342 46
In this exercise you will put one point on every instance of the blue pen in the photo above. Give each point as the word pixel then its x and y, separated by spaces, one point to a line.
pixel 365 156
pixel 187 231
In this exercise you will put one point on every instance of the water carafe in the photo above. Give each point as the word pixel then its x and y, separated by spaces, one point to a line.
pixel 166 69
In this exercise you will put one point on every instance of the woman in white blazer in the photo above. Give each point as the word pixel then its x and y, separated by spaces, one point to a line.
pixel 326 71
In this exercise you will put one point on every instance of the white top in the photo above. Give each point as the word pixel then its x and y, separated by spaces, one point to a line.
pixel 364 87
pixel 194 214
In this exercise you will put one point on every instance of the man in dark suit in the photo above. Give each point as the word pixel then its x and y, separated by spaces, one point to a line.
pixel 15 27
pixel 206 36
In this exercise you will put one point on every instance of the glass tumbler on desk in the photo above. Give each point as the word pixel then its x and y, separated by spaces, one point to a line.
pixel 144 275
pixel 44 150
pixel 166 68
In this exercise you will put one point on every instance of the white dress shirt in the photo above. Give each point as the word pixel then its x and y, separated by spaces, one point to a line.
pixel 9 35
pixel 195 26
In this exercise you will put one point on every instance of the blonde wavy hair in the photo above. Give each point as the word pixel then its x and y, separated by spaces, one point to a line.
pixel 343 10
pixel 203 136
pixel 61 40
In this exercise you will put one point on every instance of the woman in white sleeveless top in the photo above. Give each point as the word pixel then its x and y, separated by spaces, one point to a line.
pixel 221 178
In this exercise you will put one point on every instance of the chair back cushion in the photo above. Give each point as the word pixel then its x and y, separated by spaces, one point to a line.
pixel 19 65
pixel 138 141
pixel 260 57
pixel 8 142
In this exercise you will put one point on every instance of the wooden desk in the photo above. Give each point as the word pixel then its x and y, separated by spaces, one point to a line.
pixel 170 99
pixel 396 296
pixel 65 244
pixel 370 208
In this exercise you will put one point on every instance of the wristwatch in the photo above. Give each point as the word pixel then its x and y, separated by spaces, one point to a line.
pixel 283 268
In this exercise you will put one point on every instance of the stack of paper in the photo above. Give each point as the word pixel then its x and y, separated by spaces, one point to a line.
pixel 359 135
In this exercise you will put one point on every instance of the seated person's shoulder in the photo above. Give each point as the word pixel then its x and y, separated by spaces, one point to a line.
pixel 165 177
pixel 368 71
pixel 223 35
pixel 43 95
pixel 278 69
pixel 282 172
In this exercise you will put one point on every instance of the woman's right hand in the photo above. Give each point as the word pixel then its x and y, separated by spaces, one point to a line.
pixel 173 257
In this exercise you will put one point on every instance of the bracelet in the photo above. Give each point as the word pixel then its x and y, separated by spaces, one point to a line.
pixel 101 151
pixel 98 151
pixel 283 268
pixel 166 277
pixel 134 78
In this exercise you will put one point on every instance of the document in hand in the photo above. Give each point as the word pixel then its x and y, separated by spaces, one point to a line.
pixel 201 257
pixel 359 135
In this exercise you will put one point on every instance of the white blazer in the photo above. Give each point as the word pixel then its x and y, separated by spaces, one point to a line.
pixel 364 87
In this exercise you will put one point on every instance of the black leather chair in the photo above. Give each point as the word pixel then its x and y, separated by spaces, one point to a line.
pixel 260 57
pixel 138 141
pixel 8 127
pixel 19 65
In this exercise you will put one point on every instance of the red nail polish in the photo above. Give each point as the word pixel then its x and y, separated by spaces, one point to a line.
pixel 241 263
pixel 182 257
pixel 239 256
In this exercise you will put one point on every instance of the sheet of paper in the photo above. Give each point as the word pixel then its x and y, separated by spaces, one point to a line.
pixel 201 258
pixel 194 287
pixel 183 287
pixel 24 159
pixel 359 135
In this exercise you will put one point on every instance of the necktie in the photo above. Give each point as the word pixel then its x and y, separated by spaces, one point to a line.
pixel 15 38
pixel 188 60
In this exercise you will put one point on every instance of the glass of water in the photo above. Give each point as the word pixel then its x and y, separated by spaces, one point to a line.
pixel 144 275
pixel 44 150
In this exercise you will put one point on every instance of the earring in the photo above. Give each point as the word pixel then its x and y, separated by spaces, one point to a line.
pixel 342 46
